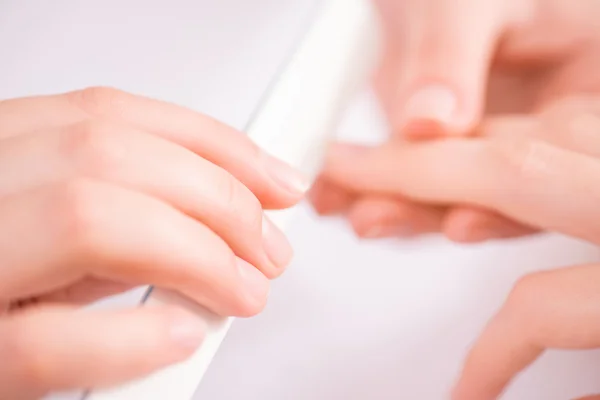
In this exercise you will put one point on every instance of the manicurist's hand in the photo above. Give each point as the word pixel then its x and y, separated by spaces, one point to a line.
pixel 447 64
pixel 101 191
pixel 541 170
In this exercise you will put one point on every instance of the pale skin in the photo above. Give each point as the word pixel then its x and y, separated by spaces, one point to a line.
pixel 494 108
pixel 101 191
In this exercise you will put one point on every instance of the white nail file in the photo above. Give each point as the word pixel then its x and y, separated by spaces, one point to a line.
pixel 294 123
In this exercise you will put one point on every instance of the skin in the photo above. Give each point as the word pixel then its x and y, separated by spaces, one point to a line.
pixel 542 170
pixel 532 55
pixel 81 217
pixel 494 110
pixel 102 191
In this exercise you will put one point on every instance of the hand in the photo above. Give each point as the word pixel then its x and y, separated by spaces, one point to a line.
pixel 541 169
pixel 101 191
pixel 446 64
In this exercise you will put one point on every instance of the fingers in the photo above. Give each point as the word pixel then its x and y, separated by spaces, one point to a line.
pixel 528 180
pixel 437 59
pixel 128 158
pixel 57 349
pixel 475 225
pixel 56 235
pixel 274 183
pixel 376 217
pixel 556 309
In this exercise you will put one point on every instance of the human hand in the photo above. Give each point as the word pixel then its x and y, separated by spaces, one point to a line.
pixel 445 65
pixel 101 191
pixel 541 169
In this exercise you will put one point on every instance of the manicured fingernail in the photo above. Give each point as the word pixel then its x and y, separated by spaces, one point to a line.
pixel 286 176
pixel 256 284
pixel 187 330
pixel 276 245
pixel 435 103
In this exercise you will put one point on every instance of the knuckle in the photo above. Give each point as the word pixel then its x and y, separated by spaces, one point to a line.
pixel 99 100
pixel 240 202
pixel 33 367
pixel 525 160
pixel 95 146
pixel 77 206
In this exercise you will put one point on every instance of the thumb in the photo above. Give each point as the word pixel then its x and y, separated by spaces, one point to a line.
pixel 443 54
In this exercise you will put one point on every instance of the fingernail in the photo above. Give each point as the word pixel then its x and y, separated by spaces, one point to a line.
pixel 286 176
pixel 435 102
pixel 275 244
pixel 256 284
pixel 187 330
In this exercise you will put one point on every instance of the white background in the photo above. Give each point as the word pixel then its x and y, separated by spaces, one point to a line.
pixel 349 320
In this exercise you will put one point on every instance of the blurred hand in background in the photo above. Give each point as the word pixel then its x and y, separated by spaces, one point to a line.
pixel 446 65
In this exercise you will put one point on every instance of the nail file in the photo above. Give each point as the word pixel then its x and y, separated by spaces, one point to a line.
pixel 294 123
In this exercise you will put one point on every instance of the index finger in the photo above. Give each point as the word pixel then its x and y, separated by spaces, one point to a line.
pixel 275 184
pixel 555 309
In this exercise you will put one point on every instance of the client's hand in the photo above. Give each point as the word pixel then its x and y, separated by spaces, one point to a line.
pixel 101 191
pixel 542 170
pixel 447 63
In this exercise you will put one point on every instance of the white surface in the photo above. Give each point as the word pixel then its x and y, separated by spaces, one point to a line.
pixel 216 56
pixel 349 320
pixel 387 320
pixel 293 123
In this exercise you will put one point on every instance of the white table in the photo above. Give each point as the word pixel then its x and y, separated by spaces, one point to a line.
pixel 349 320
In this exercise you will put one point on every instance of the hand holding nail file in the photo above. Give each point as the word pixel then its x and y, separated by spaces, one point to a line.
pixel 293 124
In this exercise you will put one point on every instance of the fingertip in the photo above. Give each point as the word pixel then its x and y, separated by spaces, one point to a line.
pixel 329 199
pixel 276 184
pixel 185 331
pixel 288 179
pixel 276 246
pixel 423 129
pixel 472 225
pixel 467 226
pixel 378 218
pixel 431 103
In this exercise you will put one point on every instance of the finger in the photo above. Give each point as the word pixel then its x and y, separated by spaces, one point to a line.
pixel 327 198
pixel 475 225
pixel 125 156
pixel 441 61
pixel 527 180
pixel 376 217
pixel 57 349
pixel 556 309
pixel 51 237
pixel 571 123
pixel 275 184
